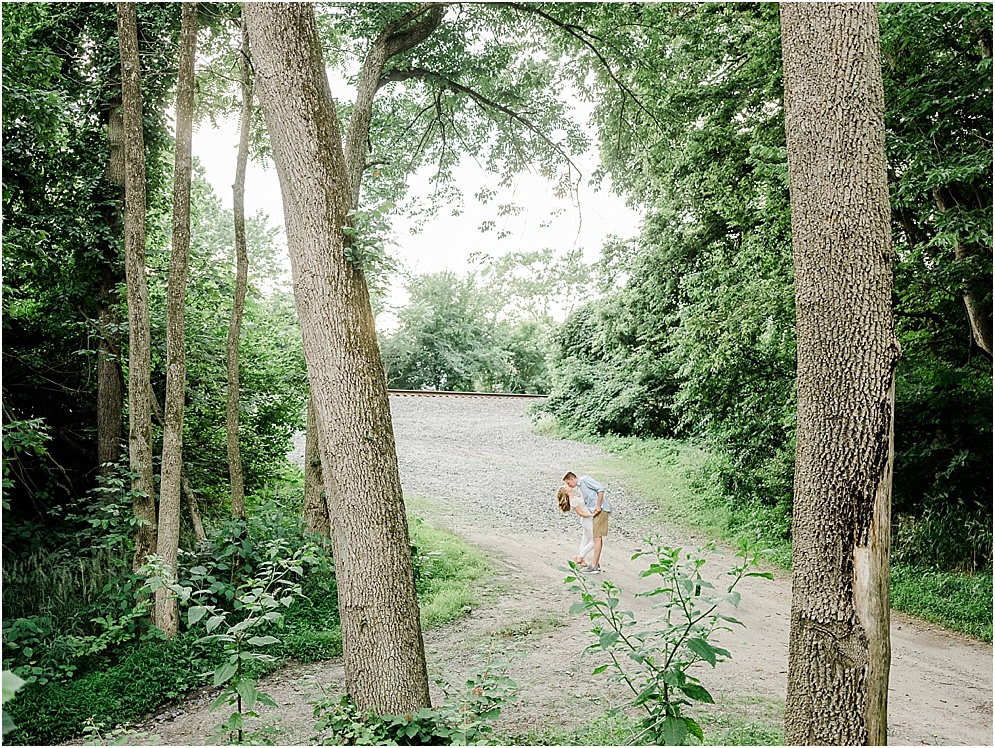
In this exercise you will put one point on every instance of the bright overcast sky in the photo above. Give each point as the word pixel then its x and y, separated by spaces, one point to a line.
pixel 446 242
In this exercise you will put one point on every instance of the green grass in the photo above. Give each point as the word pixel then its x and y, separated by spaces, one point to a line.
pixel 674 477
pixel 962 602
pixel 743 721
pixel 448 571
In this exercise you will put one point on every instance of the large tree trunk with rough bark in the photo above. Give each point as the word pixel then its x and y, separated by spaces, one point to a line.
pixel 139 336
pixel 171 481
pixel 839 652
pixel 382 644
pixel 241 285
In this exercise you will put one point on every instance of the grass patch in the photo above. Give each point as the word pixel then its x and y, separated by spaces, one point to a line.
pixel 529 628
pixel 962 602
pixel 446 569
pixel 747 721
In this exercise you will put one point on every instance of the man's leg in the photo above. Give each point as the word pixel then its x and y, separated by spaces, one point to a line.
pixel 598 543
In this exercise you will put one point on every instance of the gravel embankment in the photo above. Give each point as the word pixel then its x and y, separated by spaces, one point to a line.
pixel 480 456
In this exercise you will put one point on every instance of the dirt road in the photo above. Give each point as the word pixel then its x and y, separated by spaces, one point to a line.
pixel 479 470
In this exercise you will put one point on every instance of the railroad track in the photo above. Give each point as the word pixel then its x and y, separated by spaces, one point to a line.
pixel 442 393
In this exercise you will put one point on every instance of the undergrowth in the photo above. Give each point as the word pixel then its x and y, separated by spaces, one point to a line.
pixel 137 672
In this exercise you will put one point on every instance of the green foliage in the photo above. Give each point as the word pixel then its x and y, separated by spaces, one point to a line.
pixel 259 603
pixel 461 719
pixel 654 659
pixel 11 685
pixel 962 602
pixel 143 679
pixel 695 335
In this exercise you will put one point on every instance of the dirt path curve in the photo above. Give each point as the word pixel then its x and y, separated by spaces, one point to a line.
pixel 480 471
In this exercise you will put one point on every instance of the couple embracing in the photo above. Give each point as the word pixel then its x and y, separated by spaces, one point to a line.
pixel 593 509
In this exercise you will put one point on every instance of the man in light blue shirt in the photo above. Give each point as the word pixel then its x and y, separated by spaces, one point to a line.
pixel 593 494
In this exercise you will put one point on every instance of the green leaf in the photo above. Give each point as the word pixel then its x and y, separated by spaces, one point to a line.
pixel 11 683
pixel 213 622
pixel 224 673
pixel 195 614
pixel 608 639
pixel 694 728
pixel 600 669
pixel 578 608
pixel 262 641
pixel 703 649
pixel 675 731
pixel 697 692
pixel 265 698
pixel 247 690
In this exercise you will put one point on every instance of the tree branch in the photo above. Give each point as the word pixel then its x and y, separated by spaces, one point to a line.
pixel 579 34
pixel 396 76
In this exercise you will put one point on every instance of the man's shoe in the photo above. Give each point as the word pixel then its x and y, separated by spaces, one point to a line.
pixel 589 570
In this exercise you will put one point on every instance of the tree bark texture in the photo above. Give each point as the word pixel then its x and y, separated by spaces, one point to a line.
pixel 839 653
pixel 139 335
pixel 110 381
pixel 171 481
pixel 241 286
pixel 316 518
pixel 383 650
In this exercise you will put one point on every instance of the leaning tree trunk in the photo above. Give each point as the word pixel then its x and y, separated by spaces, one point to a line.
pixel 382 644
pixel 241 285
pixel 316 518
pixel 839 653
pixel 139 336
pixel 171 481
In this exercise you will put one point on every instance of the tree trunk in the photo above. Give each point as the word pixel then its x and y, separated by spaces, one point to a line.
pixel 383 650
pixel 241 285
pixel 170 483
pixel 839 653
pixel 194 506
pixel 139 336
pixel 978 317
pixel 316 518
pixel 110 382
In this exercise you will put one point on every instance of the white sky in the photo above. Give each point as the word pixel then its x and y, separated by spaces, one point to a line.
pixel 446 242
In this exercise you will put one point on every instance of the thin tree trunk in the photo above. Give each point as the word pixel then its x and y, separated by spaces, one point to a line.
pixel 383 649
pixel 110 389
pixel 241 284
pixel 170 483
pixel 194 507
pixel 139 336
pixel 316 516
pixel 979 320
pixel 839 651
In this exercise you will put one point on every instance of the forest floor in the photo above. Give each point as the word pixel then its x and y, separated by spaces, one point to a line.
pixel 476 468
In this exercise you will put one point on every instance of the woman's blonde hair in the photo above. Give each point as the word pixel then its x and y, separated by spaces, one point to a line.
pixel 563 498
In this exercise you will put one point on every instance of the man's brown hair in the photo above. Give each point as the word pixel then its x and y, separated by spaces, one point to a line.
pixel 568 476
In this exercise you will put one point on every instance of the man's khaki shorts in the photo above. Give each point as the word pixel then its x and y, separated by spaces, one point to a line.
pixel 601 525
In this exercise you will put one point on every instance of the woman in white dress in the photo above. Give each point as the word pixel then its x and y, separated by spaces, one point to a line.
pixel 568 500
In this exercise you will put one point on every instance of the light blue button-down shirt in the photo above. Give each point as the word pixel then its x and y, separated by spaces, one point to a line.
pixel 589 489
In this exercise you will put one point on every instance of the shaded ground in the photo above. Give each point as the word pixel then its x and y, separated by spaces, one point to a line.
pixel 474 467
